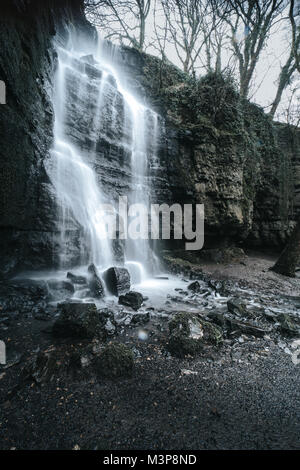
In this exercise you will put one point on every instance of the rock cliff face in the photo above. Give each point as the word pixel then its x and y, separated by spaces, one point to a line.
pixel 27 63
pixel 226 154
pixel 215 149
pixel 212 148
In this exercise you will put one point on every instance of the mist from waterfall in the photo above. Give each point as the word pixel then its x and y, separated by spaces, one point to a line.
pixel 78 188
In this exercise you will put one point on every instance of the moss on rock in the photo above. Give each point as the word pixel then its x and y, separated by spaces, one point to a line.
pixel 188 333
pixel 116 360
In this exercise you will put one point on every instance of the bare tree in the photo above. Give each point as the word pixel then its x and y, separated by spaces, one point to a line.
pixel 190 24
pixel 215 36
pixel 122 20
pixel 255 20
pixel 293 61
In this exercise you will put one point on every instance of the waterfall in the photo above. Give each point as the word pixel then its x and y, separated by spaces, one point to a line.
pixel 93 105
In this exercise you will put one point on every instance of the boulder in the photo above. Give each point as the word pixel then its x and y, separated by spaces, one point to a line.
pixel 287 326
pixel 131 299
pixel 117 280
pixel 94 282
pixel 140 318
pixel 79 320
pixel 60 290
pixel 194 286
pixel 116 360
pixel 188 333
pixel 235 327
pixel 81 280
pixel 237 307
pixel 221 287
pixel 239 328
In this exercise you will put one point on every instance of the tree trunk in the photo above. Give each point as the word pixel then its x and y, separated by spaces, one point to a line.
pixel 290 257
pixel 284 77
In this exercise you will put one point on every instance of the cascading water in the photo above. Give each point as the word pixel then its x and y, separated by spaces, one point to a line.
pixel 79 191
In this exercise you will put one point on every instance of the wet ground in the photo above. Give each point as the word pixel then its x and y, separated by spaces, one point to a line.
pixel 241 394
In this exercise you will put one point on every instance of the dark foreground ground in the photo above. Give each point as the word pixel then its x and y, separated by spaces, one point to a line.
pixel 243 394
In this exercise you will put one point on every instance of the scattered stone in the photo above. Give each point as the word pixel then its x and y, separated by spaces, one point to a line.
pixel 117 280
pixel 194 286
pixel 78 320
pixel 116 360
pixel 237 307
pixel 81 280
pixel 218 318
pixel 270 316
pixel 188 372
pixel 219 286
pixel 110 327
pixel 140 318
pixel 94 282
pixel 132 299
pixel 163 278
pixel 287 326
pixel 81 359
pixel 237 327
pixel 188 333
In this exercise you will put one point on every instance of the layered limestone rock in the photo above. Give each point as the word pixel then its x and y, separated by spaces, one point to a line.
pixel 211 148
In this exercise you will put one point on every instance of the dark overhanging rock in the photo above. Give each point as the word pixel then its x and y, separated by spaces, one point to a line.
pixel 117 280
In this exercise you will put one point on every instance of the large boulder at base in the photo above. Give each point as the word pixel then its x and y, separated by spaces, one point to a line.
pixel 78 320
pixel 116 360
pixel 131 299
pixel 117 280
pixel 188 333
pixel 94 282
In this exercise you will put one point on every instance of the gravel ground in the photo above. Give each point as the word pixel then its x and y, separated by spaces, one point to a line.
pixel 241 395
